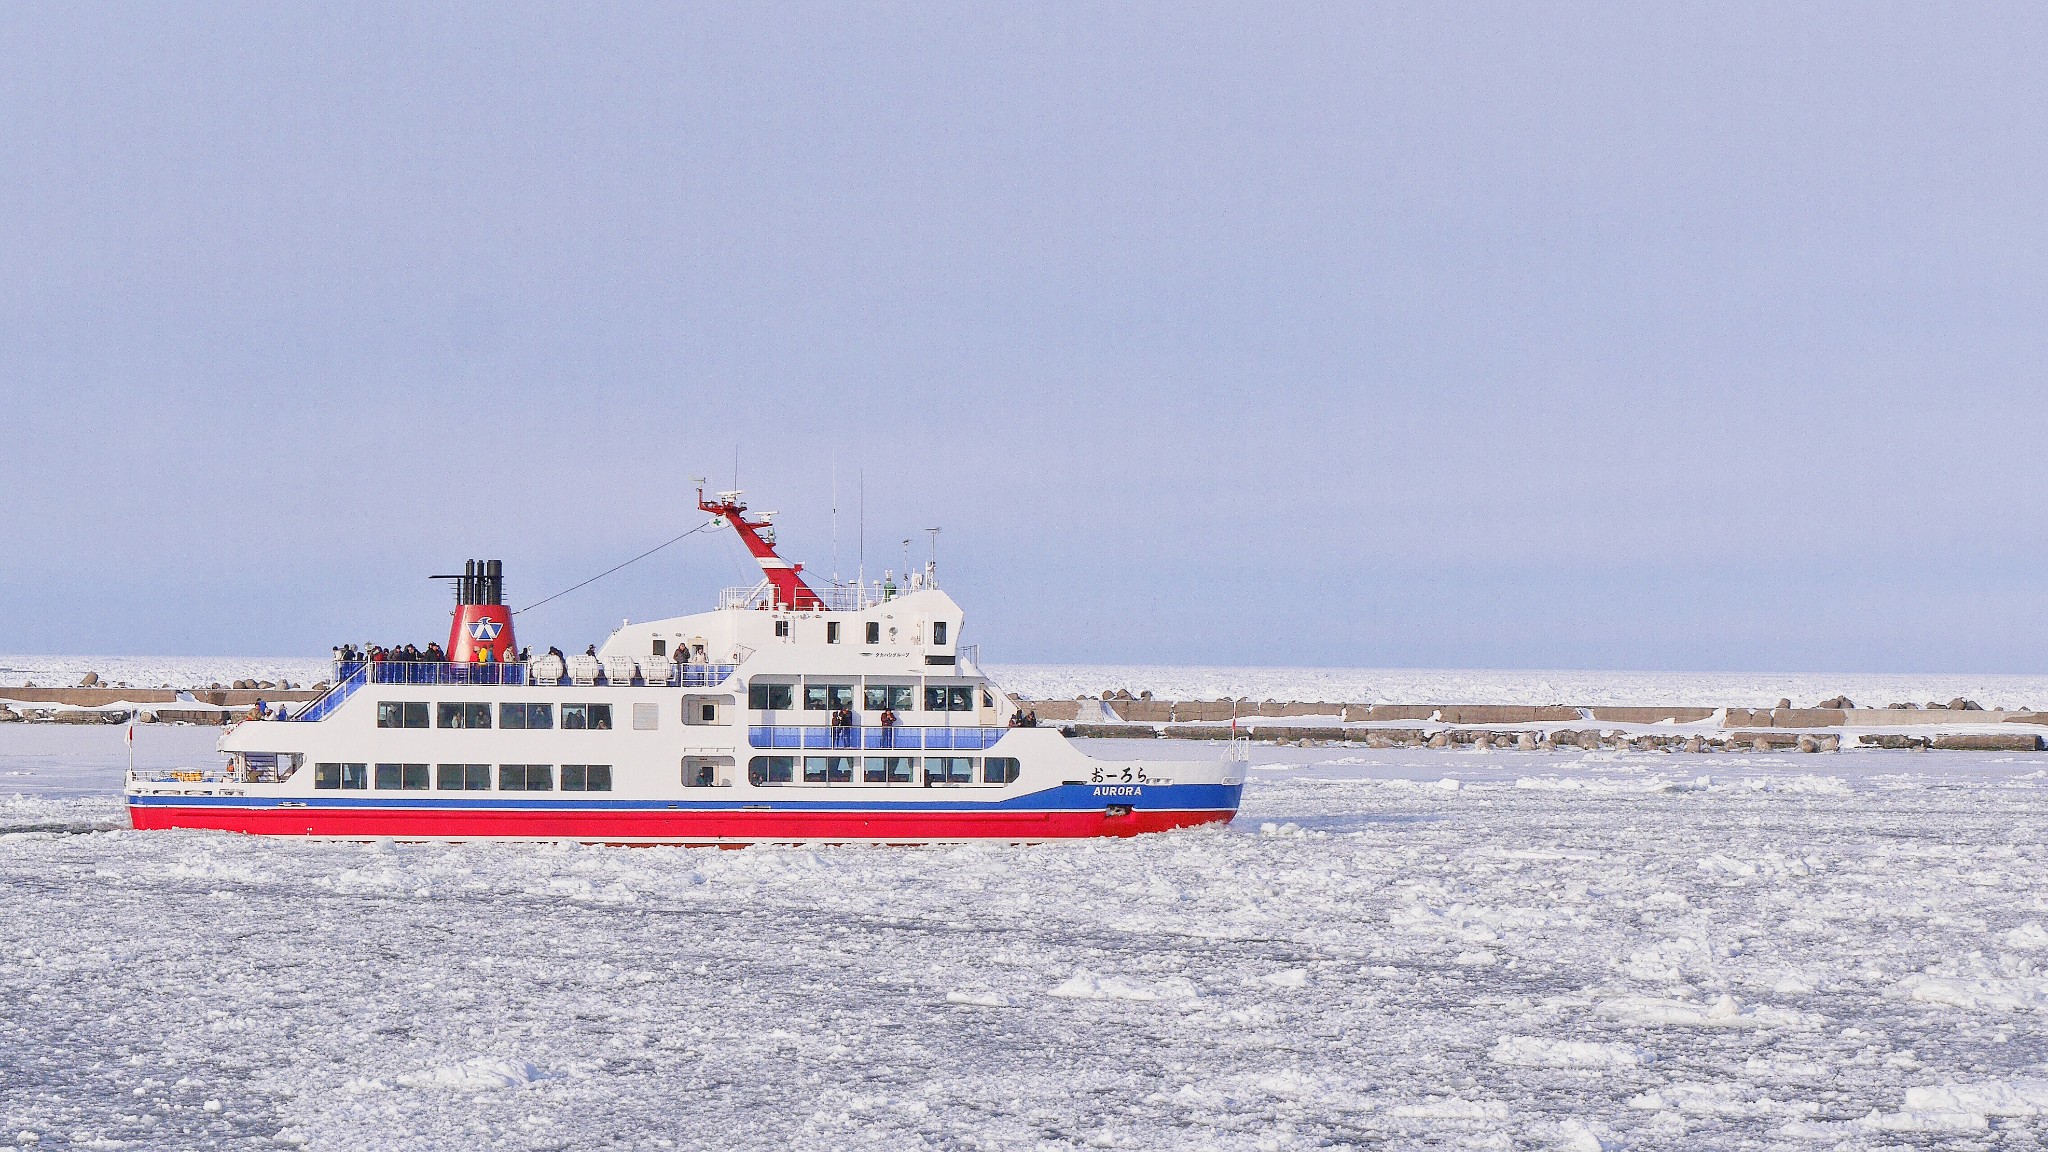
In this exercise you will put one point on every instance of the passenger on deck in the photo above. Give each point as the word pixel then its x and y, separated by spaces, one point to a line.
pixel 888 722
pixel 526 655
pixel 434 653
pixel 557 654
pixel 591 651
pixel 1031 718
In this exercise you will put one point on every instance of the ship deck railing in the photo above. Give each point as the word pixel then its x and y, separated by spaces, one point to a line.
pixel 183 776
pixel 870 738
pixel 353 674
pixel 847 596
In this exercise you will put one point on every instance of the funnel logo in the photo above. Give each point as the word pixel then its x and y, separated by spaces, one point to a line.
pixel 484 630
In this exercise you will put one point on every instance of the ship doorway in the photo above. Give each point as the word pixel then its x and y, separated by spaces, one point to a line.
pixel 707 709
pixel 709 771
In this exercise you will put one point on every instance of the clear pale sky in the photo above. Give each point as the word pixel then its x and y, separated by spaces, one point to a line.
pixel 1518 335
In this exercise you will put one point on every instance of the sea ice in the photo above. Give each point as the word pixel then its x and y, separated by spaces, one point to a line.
pixel 1739 962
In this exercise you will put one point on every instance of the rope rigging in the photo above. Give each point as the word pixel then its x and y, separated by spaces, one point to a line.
pixel 616 567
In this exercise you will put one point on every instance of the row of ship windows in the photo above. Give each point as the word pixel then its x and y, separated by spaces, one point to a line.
pixel 873 633
pixel 461 714
pixel 874 697
pixel 465 777
pixel 937 770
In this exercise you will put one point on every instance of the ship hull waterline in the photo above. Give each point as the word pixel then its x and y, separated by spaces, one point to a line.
pixel 659 824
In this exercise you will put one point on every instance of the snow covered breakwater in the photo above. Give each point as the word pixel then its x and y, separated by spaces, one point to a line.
pixel 1571 950
pixel 1963 726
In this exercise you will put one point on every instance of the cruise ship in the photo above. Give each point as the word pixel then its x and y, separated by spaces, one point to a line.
pixel 779 716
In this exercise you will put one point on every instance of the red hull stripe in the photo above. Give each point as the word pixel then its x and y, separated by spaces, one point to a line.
pixel 669 827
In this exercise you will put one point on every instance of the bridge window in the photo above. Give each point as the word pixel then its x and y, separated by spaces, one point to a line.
pixel 771 697
pixel 526 716
pixel 874 632
pixel 939 632
pixel 661 647
pixel 827 697
pixel 771 770
pixel 410 777
pixel 888 770
pixel 895 697
pixel 526 778
pixel 583 717
pixel 586 777
pixel 948 770
pixel 831 631
pixel 457 714
pixel 401 714
pixel 949 698
pixel 828 769
pixel 999 770
pixel 341 775
pixel 463 777
pixel 781 628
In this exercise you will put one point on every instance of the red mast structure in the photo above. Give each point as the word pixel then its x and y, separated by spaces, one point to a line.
pixel 790 591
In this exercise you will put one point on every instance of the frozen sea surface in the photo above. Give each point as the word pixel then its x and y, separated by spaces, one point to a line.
pixel 1403 949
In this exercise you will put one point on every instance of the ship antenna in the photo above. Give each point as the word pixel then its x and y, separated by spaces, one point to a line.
pixel 931 570
pixel 860 577
pixel 835 518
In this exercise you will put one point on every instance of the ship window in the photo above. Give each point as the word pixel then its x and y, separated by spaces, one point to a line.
pixel 831 631
pixel 646 716
pixel 888 770
pixel 661 647
pixel 938 632
pixel 586 777
pixel 463 777
pixel 526 716
pixel 341 775
pixel 999 770
pixel 874 632
pixel 771 770
pixel 827 697
pixel 828 769
pixel 895 697
pixel 948 770
pixel 401 714
pixel 457 714
pixel 411 777
pixel 580 717
pixel 771 697
pixel 708 713
pixel 781 628
pixel 948 698
pixel 526 778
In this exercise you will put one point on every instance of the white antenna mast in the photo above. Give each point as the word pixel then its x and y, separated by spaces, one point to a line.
pixel 861 574
pixel 835 518
pixel 931 570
